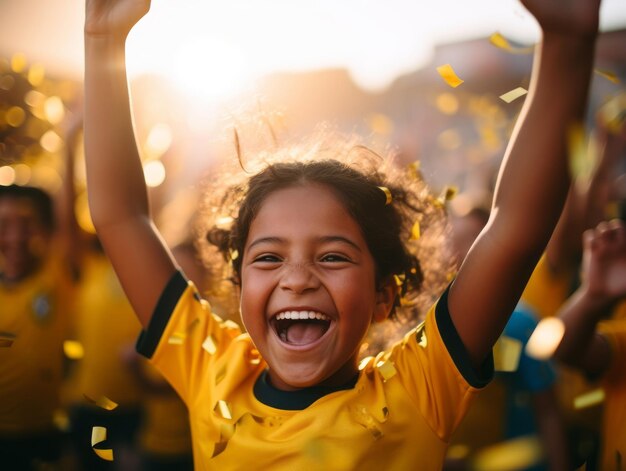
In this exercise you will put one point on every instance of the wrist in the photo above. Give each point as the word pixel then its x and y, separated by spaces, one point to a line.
pixel 596 301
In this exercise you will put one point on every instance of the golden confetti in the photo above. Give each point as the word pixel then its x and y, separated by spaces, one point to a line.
pixel 387 369
pixel 414 170
pixel 234 254
pixel 613 113
pixel 103 402
pixel 607 74
pixel 545 338
pixel 502 43
pixel 581 161
pixel 388 197
pixel 361 416
pixel 73 349
pixel 254 357
pixel 449 76
pixel 513 94
pixel 6 339
pixel 399 279
pixel 228 324
pixel 364 362
pixel 458 452
pixel 61 420
pixel 416 231
pixel 519 453
pixel 222 409
pixel 210 344
pixel 506 354
pixel 177 338
pixel 98 435
pixel 449 193
pixel 420 335
pixel 589 399
pixel 104 454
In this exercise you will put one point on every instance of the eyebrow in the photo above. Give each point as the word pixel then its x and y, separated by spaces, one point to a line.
pixel 324 239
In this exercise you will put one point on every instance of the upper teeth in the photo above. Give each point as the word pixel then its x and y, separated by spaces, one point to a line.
pixel 302 315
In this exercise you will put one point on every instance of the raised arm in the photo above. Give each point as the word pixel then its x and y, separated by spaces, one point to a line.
pixel 586 203
pixel 117 192
pixel 603 285
pixel 533 180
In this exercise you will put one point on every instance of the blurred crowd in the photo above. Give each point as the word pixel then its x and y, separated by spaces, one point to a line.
pixel 75 395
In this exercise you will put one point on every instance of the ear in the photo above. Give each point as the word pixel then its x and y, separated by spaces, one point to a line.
pixel 385 298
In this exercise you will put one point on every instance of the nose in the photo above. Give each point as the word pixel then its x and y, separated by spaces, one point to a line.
pixel 298 278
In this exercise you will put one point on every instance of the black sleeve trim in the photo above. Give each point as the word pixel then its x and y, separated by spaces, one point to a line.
pixel 149 338
pixel 476 378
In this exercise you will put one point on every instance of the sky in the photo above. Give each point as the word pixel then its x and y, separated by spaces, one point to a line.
pixel 231 43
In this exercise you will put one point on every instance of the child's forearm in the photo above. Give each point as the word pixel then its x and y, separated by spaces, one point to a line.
pixel 582 347
pixel 534 181
pixel 115 179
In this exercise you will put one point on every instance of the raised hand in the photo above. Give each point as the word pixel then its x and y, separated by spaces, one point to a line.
pixel 113 17
pixel 568 17
pixel 604 261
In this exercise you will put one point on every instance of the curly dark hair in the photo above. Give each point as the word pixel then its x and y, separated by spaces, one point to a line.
pixel 356 175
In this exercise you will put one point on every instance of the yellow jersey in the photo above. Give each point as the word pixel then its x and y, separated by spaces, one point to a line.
pixel 397 414
pixel 34 320
pixel 614 384
pixel 106 326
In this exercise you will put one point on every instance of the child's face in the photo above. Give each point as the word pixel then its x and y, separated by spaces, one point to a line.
pixel 23 237
pixel 305 256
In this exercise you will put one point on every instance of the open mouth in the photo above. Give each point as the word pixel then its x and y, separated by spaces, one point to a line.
pixel 300 327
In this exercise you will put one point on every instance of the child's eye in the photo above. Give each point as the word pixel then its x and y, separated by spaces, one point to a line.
pixel 267 258
pixel 333 257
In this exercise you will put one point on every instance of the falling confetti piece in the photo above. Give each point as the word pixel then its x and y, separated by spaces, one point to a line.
pixel 415 231
pixel 388 197
pixel 177 338
pixel 234 254
pixel 513 94
pixel 222 409
pixel 581 159
pixel 447 73
pixel 387 369
pixel 589 399
pixel 103 402
pixel 210 345
pixel 364 362
pixel 519 453
pixel 546 338
pixel 458 452
pixel 61 420
pixel 506 354
pixel 73 349
pixel 104 454
pixel 502 43
pixel 361 416
pixel 98 435
pixel 414 170
pixel 420 335
pixel 399 279
pixel 613 113
pixel 607 74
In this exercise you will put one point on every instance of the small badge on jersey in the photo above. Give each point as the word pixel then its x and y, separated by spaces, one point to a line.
pixel 42 307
